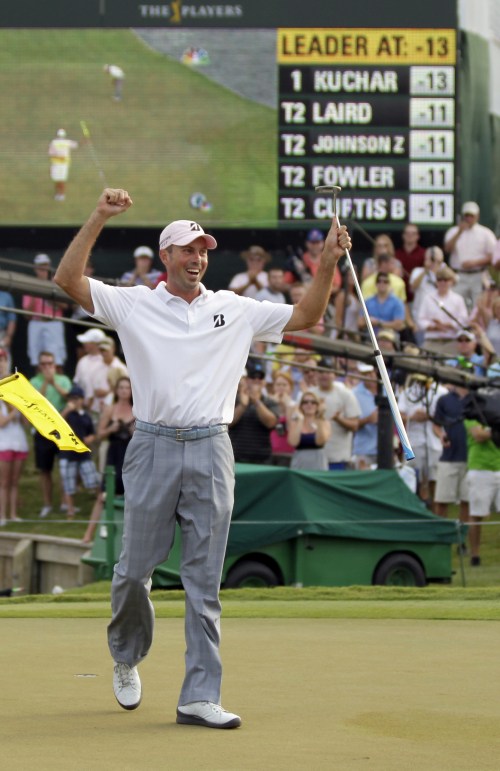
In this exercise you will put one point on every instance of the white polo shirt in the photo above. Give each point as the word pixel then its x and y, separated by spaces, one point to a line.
pixel 473 244
pixel 185 360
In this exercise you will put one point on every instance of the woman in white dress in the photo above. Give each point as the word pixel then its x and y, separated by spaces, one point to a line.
pixel 13 450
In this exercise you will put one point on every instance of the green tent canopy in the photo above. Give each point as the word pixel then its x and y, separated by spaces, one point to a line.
pixel 273 504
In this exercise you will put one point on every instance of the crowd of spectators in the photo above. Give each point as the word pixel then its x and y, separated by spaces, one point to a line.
pixel 292 409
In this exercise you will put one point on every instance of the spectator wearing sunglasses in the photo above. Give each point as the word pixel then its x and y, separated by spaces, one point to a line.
pixel 385 309
pixel 308 432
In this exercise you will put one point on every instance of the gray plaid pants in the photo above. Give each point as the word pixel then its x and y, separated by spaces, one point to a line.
pixel 192 482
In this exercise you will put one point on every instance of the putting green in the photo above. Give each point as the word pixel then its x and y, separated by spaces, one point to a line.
pixel 484 610
pixel 314 694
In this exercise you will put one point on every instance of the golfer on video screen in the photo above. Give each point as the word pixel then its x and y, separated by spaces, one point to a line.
pixel 60 159
pixel 186 349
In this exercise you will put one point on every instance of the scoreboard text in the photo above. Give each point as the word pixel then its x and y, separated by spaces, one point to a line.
pixel 374 112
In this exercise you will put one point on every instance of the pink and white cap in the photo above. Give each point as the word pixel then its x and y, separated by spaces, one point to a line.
pixel 182 232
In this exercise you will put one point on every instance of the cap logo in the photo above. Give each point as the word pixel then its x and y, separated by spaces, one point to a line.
pixel 194 226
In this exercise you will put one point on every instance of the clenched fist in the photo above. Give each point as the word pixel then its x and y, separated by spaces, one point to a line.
pixel 113 202
pixel 337 240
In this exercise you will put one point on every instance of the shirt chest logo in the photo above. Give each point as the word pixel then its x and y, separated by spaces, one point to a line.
pixel 219 320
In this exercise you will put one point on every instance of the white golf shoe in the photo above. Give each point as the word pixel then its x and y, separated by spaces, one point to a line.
pixel 208 714
pixel 127 686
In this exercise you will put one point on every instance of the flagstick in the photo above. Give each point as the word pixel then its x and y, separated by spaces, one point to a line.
pixel 409 454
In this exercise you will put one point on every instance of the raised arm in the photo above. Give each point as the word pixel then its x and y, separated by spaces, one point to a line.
pixel 70 273
pixel 311 308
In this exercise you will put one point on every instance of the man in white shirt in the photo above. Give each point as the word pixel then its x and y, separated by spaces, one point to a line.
pixel 343 410
pixel 117 76
pixel 442 314
pixel 91 369
pixel 423 283
pixel 186 350
pixel 255 278
pixel 273 292
pixel 470 246
pixel 417 405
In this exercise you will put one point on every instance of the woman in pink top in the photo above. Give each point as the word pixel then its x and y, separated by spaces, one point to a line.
pixel 43 334
pixel 283 387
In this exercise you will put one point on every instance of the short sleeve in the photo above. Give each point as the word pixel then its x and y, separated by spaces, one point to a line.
pixel 113 304
pixel 440 418
pixel 351 405
pixel 450 234
pixel 416 272
pixel 399 309
pixel 239 280
pixel 267 319
pixel 496 254
pixel 491 241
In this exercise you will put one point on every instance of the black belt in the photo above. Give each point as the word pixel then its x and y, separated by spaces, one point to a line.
pixel 475 270
pixel 180 434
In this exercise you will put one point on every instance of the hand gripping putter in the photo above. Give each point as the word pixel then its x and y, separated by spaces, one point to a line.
pixel 409 454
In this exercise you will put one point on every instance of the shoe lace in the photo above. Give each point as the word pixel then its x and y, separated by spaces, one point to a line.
pixel 214 707
pixel 124 673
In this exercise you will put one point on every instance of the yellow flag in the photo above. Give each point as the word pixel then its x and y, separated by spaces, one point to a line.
pixel 47 420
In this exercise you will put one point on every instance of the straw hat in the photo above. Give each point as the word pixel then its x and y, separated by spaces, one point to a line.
pixel 256 251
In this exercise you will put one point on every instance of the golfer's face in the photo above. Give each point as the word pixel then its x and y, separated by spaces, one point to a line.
pixel 187 264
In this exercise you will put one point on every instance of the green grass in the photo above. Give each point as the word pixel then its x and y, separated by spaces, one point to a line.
pixel 480 604
pixel 95 606
pixel 174 133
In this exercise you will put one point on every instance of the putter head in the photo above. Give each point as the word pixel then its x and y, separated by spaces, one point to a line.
pixel 335 189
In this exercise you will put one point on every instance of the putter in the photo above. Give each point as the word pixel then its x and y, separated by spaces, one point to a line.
pixel 409 454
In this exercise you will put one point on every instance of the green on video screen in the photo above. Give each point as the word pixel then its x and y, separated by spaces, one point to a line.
pixel 190 131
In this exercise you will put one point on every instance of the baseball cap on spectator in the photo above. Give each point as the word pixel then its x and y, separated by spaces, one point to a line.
pixel 362 367
pixel 256 251
pixel 76 391
pixel 92 336
pixel 470 207
pixel 143 251
pixel 315 235
pixel 388 334
pixel 255 370
pixel 182 232
pixel 465 333
pixel 3 354
pixel 42 259
pixel 107 344
pixel 326 362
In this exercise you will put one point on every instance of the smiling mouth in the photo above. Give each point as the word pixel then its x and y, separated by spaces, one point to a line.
pixel 193 271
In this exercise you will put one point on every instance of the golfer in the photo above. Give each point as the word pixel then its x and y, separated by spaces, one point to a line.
pixel 186 349
pixel 60 159
pixel 117 76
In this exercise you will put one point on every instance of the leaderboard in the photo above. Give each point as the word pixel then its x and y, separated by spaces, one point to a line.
pixel 373 111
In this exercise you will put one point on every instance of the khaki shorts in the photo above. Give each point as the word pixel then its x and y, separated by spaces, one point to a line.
pixel 484 492
pixel 452 482
pixel 425 462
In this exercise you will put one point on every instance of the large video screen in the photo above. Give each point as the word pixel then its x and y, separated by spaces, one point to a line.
pixel 235 127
